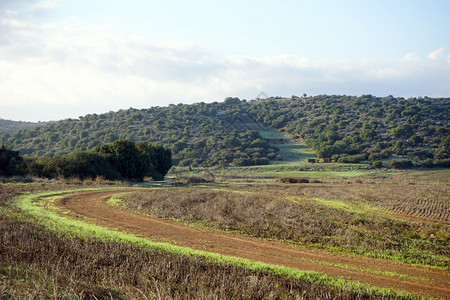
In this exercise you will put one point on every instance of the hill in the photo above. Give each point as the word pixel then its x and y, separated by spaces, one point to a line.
pixel 345 128
pixel 353 129
pixel 8 126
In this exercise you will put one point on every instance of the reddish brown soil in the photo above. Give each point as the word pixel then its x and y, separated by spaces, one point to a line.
pixel 400 176
pixel 91 205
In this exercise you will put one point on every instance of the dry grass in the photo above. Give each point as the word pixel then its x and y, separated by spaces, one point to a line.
pixel 426 200
pixel 267 212
pixel 35 263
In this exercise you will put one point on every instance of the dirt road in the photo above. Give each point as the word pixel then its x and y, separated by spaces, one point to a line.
pixel 92 205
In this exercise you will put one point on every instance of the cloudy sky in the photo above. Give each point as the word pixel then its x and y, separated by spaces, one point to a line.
pixel 67 58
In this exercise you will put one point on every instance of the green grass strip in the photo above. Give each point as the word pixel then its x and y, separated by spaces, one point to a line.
pixel 359 207
pixel 116 201
pixel 34 204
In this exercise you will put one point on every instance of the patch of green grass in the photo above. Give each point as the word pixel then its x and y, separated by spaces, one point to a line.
pixel 355 207
pixel 116 201
pixel 282 169
pixel 296 152
pixel 372 271
pixel 271 134
pixel 35 205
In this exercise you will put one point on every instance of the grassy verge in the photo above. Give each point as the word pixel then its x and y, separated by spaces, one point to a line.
pixel 34 204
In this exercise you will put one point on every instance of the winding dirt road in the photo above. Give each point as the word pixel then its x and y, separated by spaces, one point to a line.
pixel 92 205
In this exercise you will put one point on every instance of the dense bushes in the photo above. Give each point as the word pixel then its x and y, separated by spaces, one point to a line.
pixel 342 127
pixel 82 165
pixel 122 159
pixel 202 134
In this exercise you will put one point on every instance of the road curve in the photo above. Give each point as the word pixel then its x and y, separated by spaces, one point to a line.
pixel 92 205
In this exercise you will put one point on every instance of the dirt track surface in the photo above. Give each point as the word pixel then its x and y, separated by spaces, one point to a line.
pixel 92 205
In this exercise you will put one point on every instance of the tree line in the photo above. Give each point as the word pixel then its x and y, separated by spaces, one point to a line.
pixel 120 160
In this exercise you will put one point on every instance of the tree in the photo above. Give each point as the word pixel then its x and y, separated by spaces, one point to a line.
pixel 86 165
pixel 125 158
pixel 416 139
pixel 232 100
pixel 9 161
pixel 377 164
pixel 400 164
pixel 402 131
pixel 156 159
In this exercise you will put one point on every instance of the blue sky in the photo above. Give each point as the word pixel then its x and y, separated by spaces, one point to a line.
pixel 67 58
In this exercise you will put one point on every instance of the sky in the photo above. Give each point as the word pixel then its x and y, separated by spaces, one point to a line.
pixel 68 58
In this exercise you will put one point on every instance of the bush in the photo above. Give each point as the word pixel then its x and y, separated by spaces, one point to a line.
pixel 442 163
pixel 353 159
pixel 377 164
pixel 293 180
pixel 195 179
pixel 401 164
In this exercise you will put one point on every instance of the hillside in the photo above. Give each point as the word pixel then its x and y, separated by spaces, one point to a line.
pixel 345 128
pixel 353 129
pixel 8 126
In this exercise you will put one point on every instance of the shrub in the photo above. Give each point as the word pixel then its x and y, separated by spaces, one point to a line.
pixel 442 163
pixel 195 179
pixel 377 164
pixel 401 164
pixel 353 159
pixel 293 180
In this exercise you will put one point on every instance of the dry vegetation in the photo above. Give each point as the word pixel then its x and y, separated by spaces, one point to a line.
pixel 269 212
pixel 37 263
pixel 426 200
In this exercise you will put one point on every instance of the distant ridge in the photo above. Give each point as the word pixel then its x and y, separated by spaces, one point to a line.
pixel 9 126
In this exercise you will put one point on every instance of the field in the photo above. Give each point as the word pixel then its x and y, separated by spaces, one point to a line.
pixel 247 234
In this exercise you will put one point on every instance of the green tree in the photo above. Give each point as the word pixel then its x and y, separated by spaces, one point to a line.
pixel 400 164
pixel 86 165
pixel 156 158
pixel 9 161
pixel 402 131
pixel 125 158
pixel 416 139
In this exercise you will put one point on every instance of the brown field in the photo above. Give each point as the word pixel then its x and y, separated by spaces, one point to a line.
pixel 428 201
pixel 36 264
pixel 389 233
pixel 419 280
pixel 269 212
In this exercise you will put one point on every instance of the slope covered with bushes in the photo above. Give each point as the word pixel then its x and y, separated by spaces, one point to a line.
pixel 345 128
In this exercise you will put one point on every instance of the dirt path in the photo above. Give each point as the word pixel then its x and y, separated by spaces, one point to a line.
pixel 92 205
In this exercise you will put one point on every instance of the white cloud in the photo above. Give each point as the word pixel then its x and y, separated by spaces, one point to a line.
pixel 411 57
pixel 66 70
pixel 437 55
pixel 44 5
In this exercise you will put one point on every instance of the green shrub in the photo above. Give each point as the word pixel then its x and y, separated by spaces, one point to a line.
pixel 401 164
pixel 377 164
